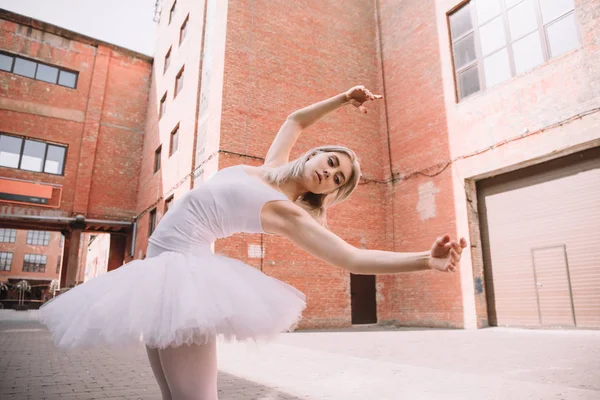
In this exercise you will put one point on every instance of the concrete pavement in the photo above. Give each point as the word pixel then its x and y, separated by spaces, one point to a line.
pixel 371 363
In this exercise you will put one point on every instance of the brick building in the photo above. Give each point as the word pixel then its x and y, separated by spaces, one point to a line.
pixel 72 115
pixel 487 105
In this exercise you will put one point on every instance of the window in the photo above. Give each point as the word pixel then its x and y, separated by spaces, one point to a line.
pixel 157 155
pixel 35 70
pixel 38 238
pixel 163 106
pixel 168 203
pixel 152 222
pixel 58 264
pixel 31 155
pixel 183 30
pixel 179 82
pixel 172 13
pixel 167 60
pixel 8 235
pixel 494 40
pixel 34 263
pixel 174 140
pixel 5 261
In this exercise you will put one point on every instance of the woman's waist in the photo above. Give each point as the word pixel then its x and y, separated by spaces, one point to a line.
pixel 157 246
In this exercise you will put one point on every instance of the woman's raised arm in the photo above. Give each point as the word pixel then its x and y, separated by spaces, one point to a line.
pixel 296 122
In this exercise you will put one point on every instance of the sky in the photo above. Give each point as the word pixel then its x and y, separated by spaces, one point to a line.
pixel 125 23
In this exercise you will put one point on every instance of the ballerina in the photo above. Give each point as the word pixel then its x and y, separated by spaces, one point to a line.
pixel 182 296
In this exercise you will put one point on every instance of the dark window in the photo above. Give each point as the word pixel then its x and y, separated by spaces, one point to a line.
pixel 31 155
pixel 152 222
pixel 5 261
pixel 34 263
pixel 179 82
pixel 157 155
pixel 163 106
pixel 172 12
pixel 6 62
pixel 36 70
pixel 25 67
pixel 68 79
pixel 174 141
pixel 167 60
pixel 8 235
pixel 494 40
pixel 46 73
pixel 168 203
pixel 38 238
pixel 183 30
pixel 58 264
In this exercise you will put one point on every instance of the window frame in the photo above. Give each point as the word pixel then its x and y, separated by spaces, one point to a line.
pixel 174 132
pixel 151 221
pixel 177 77
pixel 172 11
pixel 167 60
pixel 37 63
pixel 35 265
pixel 157 158
pixel 183 29
pixel 8 260
pixel 38 238
pixel 162 108
pixel 47 144
pixel 9 233
pixel 509 42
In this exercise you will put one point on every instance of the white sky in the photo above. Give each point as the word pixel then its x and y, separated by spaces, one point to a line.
pixel 126 23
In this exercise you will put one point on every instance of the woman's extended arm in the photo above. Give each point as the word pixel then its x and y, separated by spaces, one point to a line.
pixel 296 122
pixel 291 221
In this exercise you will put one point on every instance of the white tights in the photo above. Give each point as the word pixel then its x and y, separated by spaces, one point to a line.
pixel 186 372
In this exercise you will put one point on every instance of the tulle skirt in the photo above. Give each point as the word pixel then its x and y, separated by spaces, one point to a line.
pixel 173 298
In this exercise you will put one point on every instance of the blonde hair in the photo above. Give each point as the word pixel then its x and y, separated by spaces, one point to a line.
pixel 317 204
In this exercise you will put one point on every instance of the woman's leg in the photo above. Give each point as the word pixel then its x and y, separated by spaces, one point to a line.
pixel 158 373
pixel 191 371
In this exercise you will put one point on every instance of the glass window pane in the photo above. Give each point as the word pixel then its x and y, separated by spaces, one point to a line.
pixel 464 51
pixel 24 67
pixel 468 82
pixel 562 35
pixel 496 68
pixel 492 36
pixel 46 73
pixel 528 52
pixel 486 10
pixel 6 62
pixel 522 20
pixel 55 159
pixel 10 150
pixel 68 79
pixel 510 3
pixel 33 155
pixel 552 9
pixel 460 22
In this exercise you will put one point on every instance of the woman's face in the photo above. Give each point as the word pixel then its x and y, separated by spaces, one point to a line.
pixel 326 172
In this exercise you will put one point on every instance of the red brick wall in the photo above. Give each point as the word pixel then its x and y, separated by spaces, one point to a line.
pixel 418 139
pixel 102 121
pixel 20 247
pixel 282 56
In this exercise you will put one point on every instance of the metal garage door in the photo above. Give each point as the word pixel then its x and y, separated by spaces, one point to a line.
pixel 540 229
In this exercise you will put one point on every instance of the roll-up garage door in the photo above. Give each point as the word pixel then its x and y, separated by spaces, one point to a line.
pixel 540 229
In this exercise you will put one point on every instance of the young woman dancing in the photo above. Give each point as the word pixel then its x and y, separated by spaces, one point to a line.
pixel 182 296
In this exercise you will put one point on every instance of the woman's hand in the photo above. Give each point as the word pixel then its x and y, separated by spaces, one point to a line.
pixel 445 254
pixel 358 95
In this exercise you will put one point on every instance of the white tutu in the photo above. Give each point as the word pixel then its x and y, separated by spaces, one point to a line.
pixel 172 299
